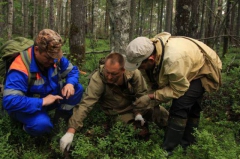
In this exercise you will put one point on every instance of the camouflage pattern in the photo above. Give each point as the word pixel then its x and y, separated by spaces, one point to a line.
pixel 51 42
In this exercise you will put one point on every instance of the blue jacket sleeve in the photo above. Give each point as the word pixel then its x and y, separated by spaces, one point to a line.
pixel 70 72
pixel 17 84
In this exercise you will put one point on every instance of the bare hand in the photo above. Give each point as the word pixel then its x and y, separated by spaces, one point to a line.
pixel 50 99
pixel 68 90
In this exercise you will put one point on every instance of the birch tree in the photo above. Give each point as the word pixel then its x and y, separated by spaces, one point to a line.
pixel 119 22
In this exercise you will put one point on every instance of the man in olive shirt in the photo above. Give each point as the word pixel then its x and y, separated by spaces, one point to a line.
pixel 116 90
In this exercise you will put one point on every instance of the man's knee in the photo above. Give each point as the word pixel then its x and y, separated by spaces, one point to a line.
pixel 39 127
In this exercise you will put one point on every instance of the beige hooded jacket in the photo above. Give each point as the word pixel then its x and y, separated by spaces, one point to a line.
pixel 184 60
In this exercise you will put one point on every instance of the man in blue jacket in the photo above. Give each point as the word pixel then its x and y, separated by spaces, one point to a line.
pixel 29 103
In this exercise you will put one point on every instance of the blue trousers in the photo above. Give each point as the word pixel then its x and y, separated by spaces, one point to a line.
pixel 39 123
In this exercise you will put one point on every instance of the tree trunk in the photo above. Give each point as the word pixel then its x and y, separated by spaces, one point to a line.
pixel 209 26
pixel 2 12
pixel 182 19
pixel 35 18
pixel 25 15
pixel 51 14
pixel 238 20
pixel 133 19
pixel 226 30
pixel 138 18
pixel 106 24
pixel 77 30
pixel 194 20
pixel 10 18
pixel 202 21
pixel 217 24
pixel 141 20
pixel 59 17
pixel 232 23
pixel 64 17
pixel 43 15
pixel 169 15
pixel 120 21
pixel 160 16
pixel 150 26
pixel 68 19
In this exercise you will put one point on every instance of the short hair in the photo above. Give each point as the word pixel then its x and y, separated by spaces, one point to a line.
pixel 116 57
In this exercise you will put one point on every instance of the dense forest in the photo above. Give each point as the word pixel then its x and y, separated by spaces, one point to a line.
pixel 93 28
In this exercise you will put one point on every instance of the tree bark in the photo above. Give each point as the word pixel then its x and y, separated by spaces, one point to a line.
pixel 77 30
pixel 10 18
pixel 35 18
pixel 226 30
pixel 106 24
pixel 169 16
pixel 209 27
pixel 120 21
pixel 202 21
pixel 51 14
pixel 25 15
pixel 238 20
pixel 133 19
pixel 194 20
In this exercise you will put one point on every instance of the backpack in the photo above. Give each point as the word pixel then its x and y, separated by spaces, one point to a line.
pixel 10 50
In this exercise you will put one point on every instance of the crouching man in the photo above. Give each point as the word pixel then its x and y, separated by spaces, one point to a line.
pixel 116 90
pixel 29 103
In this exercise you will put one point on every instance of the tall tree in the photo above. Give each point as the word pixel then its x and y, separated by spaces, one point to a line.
pixel 227 26
pixel 202 20
pixel 51 14
pixel 59 16
pixel 106 22
pixel 209 25
pixel 35 18
pixel 77 30
pixel 119 22
pixel 169 15
pixel 25 17
pixel 194 19
pixel 138 18
pixel 151 19
pixel 133 19
pixel 10 18
pixel 160 16
pixel 238 20
pixel 182 18
pixel 217 24
pixel 68 18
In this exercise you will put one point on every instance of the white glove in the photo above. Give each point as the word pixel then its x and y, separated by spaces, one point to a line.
pixel 139 117
pixel 66 141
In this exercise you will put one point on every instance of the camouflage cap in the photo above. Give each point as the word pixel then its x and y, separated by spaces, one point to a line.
pixel 51 42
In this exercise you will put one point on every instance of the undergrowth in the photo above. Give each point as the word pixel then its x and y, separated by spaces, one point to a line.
pixel 217 137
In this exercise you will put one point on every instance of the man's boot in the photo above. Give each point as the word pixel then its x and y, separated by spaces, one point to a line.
pixel 188 137
pixel 174 133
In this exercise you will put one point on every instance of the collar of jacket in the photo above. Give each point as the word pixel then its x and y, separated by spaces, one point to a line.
pixel 164 36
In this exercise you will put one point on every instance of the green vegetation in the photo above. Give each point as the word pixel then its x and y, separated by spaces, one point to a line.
pixel 218 135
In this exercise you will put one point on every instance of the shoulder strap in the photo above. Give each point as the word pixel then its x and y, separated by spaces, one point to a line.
pixel 26 60
pixel 163 50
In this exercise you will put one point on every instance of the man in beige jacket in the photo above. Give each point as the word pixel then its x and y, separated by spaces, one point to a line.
pixel 180 69
pixel 115 90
